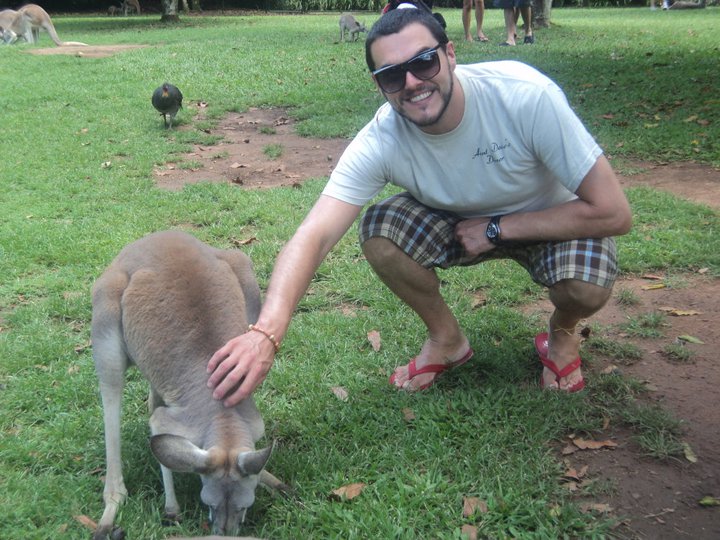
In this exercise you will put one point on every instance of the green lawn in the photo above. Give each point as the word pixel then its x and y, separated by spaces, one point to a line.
pixel 79 142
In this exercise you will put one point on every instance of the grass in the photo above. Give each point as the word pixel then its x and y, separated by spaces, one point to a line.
pixel 634 76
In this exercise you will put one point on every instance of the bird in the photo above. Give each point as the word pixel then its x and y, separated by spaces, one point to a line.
pixel 167 99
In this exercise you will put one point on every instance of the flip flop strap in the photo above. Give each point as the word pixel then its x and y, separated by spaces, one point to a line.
pixel 430 368
pixel 564 372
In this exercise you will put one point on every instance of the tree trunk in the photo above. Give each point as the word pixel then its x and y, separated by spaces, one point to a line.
pixel 541 13
pixel 169 11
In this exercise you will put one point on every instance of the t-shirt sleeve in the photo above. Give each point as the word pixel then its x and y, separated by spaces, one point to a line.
pixel 360 173
pixel 571 151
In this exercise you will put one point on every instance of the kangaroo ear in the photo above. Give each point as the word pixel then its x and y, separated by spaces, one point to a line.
pixel 180 454
pixel 254 462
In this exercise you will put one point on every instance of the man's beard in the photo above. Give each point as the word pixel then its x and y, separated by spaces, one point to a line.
pixel 433 120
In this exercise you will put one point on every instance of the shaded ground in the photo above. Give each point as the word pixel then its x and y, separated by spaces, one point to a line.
pixel 91 51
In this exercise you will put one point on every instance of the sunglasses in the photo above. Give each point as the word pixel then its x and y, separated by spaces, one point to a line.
pixel 424 66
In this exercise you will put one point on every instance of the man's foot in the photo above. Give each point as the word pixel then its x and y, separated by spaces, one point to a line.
pixel 422 371
pixel 506 44
pixel 562 363
pixel 482 38
pixel 529 39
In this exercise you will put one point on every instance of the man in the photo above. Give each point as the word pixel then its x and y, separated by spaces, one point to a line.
pixel 495 163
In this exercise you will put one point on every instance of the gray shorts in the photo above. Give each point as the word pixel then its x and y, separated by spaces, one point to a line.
pixel 428 236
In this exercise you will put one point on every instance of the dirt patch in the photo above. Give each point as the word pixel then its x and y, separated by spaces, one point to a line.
pixel 90 51
pixel 660 499
pixel 246 156
pixel 655 499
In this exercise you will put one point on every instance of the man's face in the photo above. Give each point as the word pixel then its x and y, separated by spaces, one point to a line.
pixel 426 103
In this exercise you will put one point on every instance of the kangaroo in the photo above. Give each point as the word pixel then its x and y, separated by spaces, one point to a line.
pixel 14 25
pixel 113 10
pixel 683 4
pixel 351 24
pixel 130 5
pixel 166 304
pixel 39 18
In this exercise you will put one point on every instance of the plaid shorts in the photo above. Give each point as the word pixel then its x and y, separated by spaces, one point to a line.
pixel 428 236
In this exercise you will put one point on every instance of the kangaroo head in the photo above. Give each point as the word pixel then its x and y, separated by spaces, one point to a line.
pixel 229 478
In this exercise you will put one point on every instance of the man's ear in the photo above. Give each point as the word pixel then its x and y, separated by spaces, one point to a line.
pixel 450 52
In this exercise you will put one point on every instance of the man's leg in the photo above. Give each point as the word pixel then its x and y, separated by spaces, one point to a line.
pixel 419 288
pixel 573 300
pixel 526 14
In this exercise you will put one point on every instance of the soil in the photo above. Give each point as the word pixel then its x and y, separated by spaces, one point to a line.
pixel 650 498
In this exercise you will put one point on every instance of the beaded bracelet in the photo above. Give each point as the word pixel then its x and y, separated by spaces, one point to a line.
pixel 267 334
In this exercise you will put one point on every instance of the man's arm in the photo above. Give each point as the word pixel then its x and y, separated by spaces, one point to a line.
pixel 244 361
pixel 601 210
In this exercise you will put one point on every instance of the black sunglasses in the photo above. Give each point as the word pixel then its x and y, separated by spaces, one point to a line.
pixel 424 66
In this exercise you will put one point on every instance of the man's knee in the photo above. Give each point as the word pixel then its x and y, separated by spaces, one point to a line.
pixel 379 250
pixel 579 296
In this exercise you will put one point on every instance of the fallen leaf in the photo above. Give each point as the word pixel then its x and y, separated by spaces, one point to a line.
pixel 595 507
pixel 340 393
pixel 679 312
pixel 689 454
pixel 408 414
pixel 469 532
pixel 106 165
pixel 237 165
pixel 348 492
pixel 652 276
pixel 612 368
pixel 653 286
pixel 473 505
pixel 583 444
pixel 709 501
pixel 245 242
pixel 703 270
pixel 571 486
pixel 691 339
pixel 374 338
pixel 478 299
pixel 86 522
pixel 691 118
pixel 569 449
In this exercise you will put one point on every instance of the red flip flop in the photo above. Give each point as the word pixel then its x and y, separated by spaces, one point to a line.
pixel 541 346
pixel 432 368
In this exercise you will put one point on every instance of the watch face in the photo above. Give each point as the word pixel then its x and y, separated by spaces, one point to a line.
pixel 492 231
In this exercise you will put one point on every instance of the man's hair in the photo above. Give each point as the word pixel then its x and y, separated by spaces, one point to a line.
pixel 396 20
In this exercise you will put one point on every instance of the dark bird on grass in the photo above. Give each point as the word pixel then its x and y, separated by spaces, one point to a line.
pixel 168 100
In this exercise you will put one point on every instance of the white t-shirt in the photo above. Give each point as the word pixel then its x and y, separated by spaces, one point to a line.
pixel 519 147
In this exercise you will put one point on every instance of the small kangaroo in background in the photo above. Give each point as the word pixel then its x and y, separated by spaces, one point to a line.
pixel 166 304
pixel 351 25
pixel 130 5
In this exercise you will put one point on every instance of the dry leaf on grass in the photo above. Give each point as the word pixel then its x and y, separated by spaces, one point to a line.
pixel 374 339
pixel 584 444
pixel 340 393
pixel 86 522
pixel 408 414
pixel 348 492
pixel 469 532
pixel 473 505
pixel 601 508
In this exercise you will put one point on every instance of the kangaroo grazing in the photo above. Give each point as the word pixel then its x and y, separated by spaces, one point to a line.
pixel 351 25
pixel 166 304
pixel 39 18
pixel 130 5
pixel 14 25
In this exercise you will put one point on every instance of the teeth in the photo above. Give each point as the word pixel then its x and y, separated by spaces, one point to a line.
pixel 420 97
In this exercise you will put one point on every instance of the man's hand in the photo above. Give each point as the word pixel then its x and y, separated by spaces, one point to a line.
pixel 239 367
pixel 471 234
